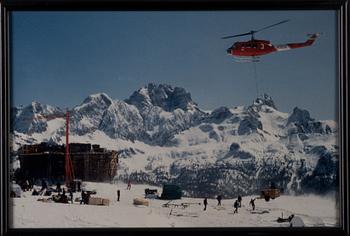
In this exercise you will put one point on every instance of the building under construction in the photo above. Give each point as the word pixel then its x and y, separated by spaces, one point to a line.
pixel 90 162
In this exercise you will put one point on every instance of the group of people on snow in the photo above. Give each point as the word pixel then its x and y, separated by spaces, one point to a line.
pixel 85 195
pixel 237 204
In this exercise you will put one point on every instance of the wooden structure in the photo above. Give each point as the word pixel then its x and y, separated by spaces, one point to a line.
pixel 98 201
pixel 140 201
pixel 270 193
pixel 90 162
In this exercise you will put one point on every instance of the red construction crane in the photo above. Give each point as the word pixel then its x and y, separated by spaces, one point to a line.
pixel 68 167
pixel 69 170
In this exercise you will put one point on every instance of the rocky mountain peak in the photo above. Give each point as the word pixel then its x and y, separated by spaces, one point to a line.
pixel 35 105
pixel 36 108
pixel 162 95
pixel 32 118
pixel 98 99
pixel 219 115
pixel 265 99
pixel 87 116
pixel 299 116
pixel 305 124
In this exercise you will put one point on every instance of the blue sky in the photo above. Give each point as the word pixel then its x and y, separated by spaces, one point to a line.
pixel 59 58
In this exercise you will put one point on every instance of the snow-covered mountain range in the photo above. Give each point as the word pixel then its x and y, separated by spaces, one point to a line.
pixel 163 136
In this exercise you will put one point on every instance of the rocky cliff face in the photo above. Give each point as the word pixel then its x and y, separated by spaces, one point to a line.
pixel 166 97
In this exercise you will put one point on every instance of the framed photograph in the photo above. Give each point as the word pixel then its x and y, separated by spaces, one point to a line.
pixel 153 117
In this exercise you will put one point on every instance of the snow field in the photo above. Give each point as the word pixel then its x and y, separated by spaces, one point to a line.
pixel 27 212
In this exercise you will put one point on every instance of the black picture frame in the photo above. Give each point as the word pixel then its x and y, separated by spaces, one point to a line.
pixel 342 8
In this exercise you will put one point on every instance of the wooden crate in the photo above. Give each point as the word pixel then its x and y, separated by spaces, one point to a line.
pixel 95 201
pixel 98 201
pixel 105 202
pixel 140 201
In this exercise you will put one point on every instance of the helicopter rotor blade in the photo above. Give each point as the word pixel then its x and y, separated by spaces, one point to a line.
pixel 238 35
pixel 252 32
pixel 270 26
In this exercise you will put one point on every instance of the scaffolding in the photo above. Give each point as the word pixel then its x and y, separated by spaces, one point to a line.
pixel 88 162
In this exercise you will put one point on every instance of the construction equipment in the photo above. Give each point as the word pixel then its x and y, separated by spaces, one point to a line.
pixel 270 193
pixel 151 193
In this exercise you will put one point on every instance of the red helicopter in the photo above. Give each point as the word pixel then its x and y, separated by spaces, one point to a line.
pixel 250 51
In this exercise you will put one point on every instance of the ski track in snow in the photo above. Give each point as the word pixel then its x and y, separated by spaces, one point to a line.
pixel 27 212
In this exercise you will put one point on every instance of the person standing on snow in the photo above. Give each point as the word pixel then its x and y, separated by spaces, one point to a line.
pixel 235 205
pixel 239 201
pixel 205 203
pixel 83 196
pixel 129 185
pixel 71 195
pixel 219 200
pixel 252 203
pixel 118 195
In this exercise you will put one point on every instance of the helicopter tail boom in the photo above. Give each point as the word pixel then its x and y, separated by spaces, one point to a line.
pixel 289 46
